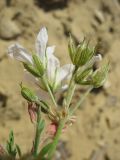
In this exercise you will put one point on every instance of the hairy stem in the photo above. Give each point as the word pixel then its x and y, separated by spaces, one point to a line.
pixel 37 135
pixel 56 138
pixel 81 100
pixel 70 93
pixel 49 90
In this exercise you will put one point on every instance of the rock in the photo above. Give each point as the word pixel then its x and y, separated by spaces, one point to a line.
pixel 9 29
pixel 3 100
pixel 99 16
pixel 55 1
pixel 2 5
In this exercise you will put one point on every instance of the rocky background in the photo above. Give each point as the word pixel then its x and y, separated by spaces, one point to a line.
pixel 96 133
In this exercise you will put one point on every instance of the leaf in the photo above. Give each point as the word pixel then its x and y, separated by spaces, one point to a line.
pixel 44 151
pixel 11 138
pixel 18 150
pixel 10 147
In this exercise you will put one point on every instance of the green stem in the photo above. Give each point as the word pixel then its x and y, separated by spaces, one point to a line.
pixel 70 92
pixel 49 90
pixel 81 100
pixel 37 136
pixel 56 138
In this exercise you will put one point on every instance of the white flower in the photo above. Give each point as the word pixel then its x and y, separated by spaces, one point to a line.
pixel 55 74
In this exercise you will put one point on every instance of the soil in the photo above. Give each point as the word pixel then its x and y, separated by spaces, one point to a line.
pixel 96 133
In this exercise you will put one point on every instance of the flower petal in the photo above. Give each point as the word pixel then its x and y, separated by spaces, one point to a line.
pixel 41 43
pixel 64 72
pixel 52 65
pixel 19 53
pixel 50 50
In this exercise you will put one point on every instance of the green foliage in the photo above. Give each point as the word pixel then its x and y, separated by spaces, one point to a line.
pixel 11 147
pixel 43 153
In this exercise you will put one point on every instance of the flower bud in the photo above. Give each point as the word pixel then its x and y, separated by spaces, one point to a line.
pixel 38 64
pixel 100 76
pixel 28 94
pixel 80 77
pixel 83 54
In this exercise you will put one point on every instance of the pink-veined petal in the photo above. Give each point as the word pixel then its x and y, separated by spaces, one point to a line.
pixel 18 52
pixel 41 42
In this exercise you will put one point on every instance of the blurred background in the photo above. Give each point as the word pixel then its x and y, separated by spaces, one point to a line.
pixel 96 133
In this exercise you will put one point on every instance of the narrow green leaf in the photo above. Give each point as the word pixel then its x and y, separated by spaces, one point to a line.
pixel 44 150
pixel 11 138
pixel 18 150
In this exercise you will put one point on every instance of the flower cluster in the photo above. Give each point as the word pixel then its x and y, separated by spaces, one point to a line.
pixel 51 77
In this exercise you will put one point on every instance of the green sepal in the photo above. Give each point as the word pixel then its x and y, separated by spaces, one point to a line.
pixel 83 54
pixel 44 107
pixel 38 64
pixel 81 77
pixel 71 48
pixel 30 68
pixel 28 94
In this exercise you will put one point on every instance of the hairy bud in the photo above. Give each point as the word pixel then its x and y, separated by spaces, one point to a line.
pixel 28 94
pixel 100 75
